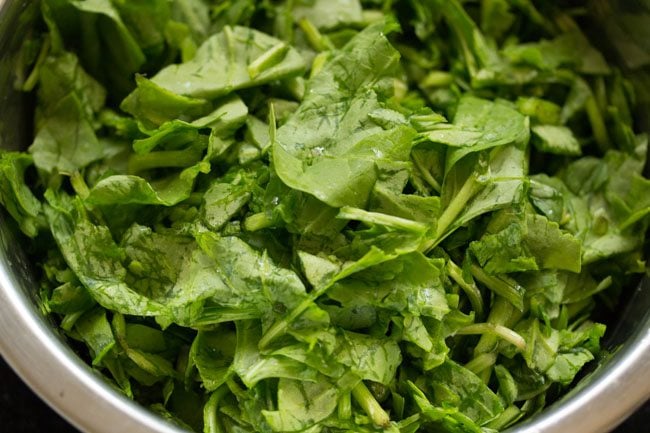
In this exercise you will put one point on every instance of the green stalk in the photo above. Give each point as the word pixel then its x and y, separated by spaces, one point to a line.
pixel 69 320
pixel 435 79
pixel 34 76
pixel 370 406
pixel 471 289
pixel 481 362
pixel 470 188
pixel 268 59
pixel 316 39
pixel 345 406
pixel 507 417
pixel 426 174
pixel 257 222
pixel 529 9
pixel 350 213
pixel 502 287
pixel 597 124
pixel 79 185
pixel 502 313
pixel 280 328
pixel 501 331
pixel 211 423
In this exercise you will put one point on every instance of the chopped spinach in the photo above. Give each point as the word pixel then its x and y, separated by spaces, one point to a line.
pixel 330 216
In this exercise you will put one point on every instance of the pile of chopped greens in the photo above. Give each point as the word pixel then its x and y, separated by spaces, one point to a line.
pixel 329 215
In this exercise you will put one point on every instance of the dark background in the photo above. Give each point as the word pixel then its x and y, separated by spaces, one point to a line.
pixel 22 412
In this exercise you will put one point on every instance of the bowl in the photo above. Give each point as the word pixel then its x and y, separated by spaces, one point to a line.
pixel 618 385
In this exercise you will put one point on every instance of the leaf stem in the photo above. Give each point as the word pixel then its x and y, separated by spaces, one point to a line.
pixel 481 362
pixel 509 290
pixel 345 406
pixel 499 330
pixel 79 185
pixel 397 223
pixel 369 404
pixel 597 124
pixel 502 313
pixel 470 188
pixel 470 288
pixel 257 222
pixel 507 417
pixel 34 75
pixel 280 328
pixel 211 423
pixel 426 174
pixel 268 59
pixel 316 39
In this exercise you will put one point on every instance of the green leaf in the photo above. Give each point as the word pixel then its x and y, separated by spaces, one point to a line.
pixel 95 331
pixel 457 386
pixel 558 140
pixel 94 257
pixel 66 141
pixel 154 259
pixel 450 417
pixel 195 14
pixel 327 14
pixel 129 189
pixel 410 283
pixel 474 187
pixel 252 366
pixel 153 105
pixel 213 353
pixel 62 75
pixel 479 125
pixel 221 65
pixel 301 405
pixel 250 279
pixel 569 49
pixel 107 48
pixel 567 365
pixel 15 195
pixel 512 245
pixel 306 148
pixel 368 357
pixel 225 198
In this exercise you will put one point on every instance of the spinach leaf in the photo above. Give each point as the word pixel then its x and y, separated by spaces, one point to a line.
pixel 339 138
pixel 453 383
pixel 235 58
pixel 66 141
pixel 327 15
pixel 369 358
pixel 15 196
pixel 94 257
pixel 510 246
pixel 301 405
pixel 479 125
pixel 129 189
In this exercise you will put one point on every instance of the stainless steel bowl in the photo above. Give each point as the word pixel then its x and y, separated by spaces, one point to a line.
pixel 35 350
